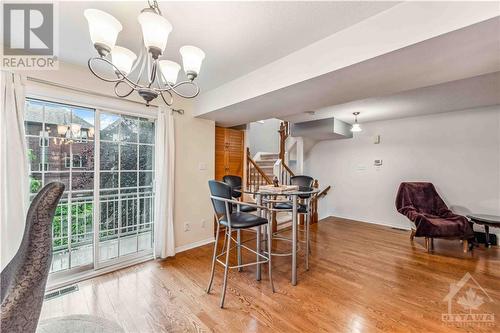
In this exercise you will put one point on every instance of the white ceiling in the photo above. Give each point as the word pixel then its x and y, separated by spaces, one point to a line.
pixel 483 90
pixel 237 37
pixel 397 83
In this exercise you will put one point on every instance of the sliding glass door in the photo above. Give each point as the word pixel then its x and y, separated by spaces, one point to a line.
pixel 126 186
pixel 106 161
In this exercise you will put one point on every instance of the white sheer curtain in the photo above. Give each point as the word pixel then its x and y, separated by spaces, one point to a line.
pixel 13 165
pixel 164 184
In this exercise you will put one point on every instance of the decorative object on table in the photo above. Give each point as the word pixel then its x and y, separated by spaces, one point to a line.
pixel 23 280
pixel 421 204
pixel 280 189
pixel 128 69
pixel 79 324
pixel 276 181
pixel 487 221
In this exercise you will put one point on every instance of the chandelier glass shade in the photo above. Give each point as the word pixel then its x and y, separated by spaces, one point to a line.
pixel 146 73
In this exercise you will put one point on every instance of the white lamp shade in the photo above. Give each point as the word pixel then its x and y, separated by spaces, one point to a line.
pixel 155 30
pixel 170 70
pixel 356 128
pixel 123 58
pixel 192 58
pixel 103 27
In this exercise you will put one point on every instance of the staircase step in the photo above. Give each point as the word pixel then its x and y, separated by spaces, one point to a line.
pixel 269 156
pixel 265 162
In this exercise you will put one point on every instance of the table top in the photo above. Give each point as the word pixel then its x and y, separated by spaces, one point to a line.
pixel 300 191
pixel 485 218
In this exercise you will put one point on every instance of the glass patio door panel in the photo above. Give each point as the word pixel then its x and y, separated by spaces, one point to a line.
pixel 61 143
pixel 125 187
pixel 108 176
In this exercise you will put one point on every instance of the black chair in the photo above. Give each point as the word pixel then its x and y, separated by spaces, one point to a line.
pixel 304 183
pixel 23 280
pixel 235 183
pixel 221 195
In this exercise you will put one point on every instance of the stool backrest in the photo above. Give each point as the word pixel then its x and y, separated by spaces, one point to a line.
pixel 222 190
pixel 235 183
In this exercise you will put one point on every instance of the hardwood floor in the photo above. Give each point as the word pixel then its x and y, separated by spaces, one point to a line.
pixel 362 278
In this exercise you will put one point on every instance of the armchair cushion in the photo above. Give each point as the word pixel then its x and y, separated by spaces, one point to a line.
pixel 420 203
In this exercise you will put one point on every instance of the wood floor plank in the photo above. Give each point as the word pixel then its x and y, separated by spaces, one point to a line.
pixel 362 278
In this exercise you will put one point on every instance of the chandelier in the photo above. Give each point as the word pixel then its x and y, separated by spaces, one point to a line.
pixel 129 70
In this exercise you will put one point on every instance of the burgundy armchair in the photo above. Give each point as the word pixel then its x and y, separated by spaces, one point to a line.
pixel 421 204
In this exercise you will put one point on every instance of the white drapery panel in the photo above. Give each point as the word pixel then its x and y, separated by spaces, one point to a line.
pixel 13 165
pixel 164 184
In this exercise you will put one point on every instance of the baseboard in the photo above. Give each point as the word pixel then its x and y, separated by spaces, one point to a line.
pixel 190 246
pixel 390 225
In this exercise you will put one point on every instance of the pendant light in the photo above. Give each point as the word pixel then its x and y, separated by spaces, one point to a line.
pixel 356 127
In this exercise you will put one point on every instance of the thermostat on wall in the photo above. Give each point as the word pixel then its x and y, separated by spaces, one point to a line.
pixel 377 163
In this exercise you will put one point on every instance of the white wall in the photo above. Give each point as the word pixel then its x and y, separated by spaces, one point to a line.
pixel 195 145
pixel 263 136
pixel 458 151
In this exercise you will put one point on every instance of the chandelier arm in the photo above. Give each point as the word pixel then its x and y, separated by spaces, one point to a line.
pixel 172 88
pixel 121 76
pixel 127 94
pixel 171 98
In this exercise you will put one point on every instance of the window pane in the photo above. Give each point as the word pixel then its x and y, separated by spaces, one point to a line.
pixel 34 153
pixel 128 157
pixel 33 117
pixel 62 177
pixel 109 156
pixel 56 154
pixel 109 179
pixel 129 129
pixel 145 178
pixel 128 179
pixel 82 181
pixel 110 126
pixel 35 182
pixel 83 155
pixel 57 116
pixel 146 131
pixel 145 157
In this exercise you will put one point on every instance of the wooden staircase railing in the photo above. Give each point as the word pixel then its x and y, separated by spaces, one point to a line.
pixel 255 175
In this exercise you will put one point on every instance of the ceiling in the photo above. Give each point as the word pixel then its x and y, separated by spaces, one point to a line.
pixel 483 90
pixel 237 37
pixel 445 73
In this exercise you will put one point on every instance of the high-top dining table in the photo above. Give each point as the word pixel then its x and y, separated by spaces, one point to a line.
pixel 293 194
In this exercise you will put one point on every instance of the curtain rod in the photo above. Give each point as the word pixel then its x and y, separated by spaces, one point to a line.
pixel 90 92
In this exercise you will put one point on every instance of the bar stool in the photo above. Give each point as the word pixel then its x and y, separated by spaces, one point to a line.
pixel 303 208
pixel 235 182
pixel 221 196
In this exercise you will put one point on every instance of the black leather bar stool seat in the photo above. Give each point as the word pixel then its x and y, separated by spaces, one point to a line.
pixel 245 208
pixel 301 208
pixel 241 220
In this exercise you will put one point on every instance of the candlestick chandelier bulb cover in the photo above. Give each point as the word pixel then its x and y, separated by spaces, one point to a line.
pixel 129 70
pixel 356 127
